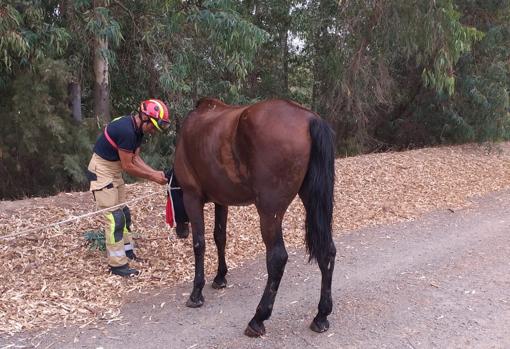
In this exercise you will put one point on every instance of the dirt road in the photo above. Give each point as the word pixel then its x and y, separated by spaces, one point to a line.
pixel 439 282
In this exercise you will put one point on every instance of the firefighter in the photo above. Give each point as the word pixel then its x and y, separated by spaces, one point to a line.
pixel 117 149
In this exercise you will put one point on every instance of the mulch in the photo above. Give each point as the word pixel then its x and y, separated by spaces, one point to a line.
pixel 51 278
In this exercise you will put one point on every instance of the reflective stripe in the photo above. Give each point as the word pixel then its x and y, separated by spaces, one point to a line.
pixel 110 239
pixel 128 247
pixel 110 140
pixel 161 110
pixel 117 253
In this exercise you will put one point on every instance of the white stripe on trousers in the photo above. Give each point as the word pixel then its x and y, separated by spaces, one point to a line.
pixel 117 253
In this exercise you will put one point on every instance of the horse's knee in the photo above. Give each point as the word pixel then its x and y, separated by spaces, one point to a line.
pixel 283 256
pixel 220 236
pixel 331 253
pixel 332 249
pixel 199 245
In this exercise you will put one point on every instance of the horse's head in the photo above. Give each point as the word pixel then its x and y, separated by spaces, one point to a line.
pixel 210 103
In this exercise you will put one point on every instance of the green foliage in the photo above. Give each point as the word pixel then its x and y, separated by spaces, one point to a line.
pixel 27 38
pixel 186 52
pixel 39 140
pixel 95 240
pixel 479 108
pixel 439 74
pixel 483 99
pixel 386 74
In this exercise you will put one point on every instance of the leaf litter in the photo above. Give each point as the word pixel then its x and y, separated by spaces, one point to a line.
pixel 51 277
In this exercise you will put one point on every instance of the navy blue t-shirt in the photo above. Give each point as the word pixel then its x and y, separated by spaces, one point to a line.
pixel 124 133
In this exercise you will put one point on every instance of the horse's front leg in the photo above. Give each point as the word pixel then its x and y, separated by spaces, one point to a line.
pixel 276 259
pixel 220 238
pixel 195 208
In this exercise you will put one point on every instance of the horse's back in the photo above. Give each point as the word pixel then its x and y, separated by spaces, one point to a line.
pixel 235 153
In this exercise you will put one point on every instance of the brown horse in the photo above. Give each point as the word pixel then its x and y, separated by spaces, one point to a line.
pixel 262 154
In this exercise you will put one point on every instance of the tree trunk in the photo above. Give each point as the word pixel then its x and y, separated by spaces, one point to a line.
pixel 101 83
pixel 101 77
pixel 316 73
pixel 75 100
pixel 285 60
pixel 320 49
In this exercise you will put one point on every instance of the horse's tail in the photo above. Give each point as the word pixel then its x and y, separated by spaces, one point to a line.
pixel 317 189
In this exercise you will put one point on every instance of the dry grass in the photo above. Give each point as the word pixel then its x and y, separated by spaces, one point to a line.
pixel 50 277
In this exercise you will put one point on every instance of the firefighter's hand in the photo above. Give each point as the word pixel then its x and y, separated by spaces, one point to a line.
pixel 160 178
pixel 168 173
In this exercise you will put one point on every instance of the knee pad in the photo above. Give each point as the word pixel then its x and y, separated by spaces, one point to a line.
pixel 119 220
pixel 127 215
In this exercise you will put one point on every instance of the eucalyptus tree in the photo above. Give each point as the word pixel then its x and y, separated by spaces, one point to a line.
pixel 372 59
pixel 38 144
pixel 105 33
pixel 386 73
pixel 270 76
pixel 481 108
pixel 181 51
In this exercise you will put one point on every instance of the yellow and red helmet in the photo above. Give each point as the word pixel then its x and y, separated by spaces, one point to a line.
pixel 157 112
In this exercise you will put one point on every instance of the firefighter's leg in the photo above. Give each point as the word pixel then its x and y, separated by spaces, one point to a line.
pixel 129 244
pixel 114 237
pixel 106 178
pixel 115 223
pixel 128 239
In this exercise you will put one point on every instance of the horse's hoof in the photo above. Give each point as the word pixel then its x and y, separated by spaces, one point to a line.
pixel 182 230
pixel 319 326
pixel 255 331
pixel 195 304
pixel 219 284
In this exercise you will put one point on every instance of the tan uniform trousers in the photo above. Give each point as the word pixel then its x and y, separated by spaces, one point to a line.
pixel 109 190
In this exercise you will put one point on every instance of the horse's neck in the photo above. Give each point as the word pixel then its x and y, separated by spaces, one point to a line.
pixel 211 103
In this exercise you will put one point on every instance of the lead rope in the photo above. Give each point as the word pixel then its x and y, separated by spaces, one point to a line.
pixel 74 218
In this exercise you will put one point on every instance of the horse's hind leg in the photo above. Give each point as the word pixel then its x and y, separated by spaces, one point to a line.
pixel 220 238
pixel 276 258
pixel 327 264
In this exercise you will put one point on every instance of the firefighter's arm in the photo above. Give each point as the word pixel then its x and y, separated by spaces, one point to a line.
pixel 134 165
pixel 140 163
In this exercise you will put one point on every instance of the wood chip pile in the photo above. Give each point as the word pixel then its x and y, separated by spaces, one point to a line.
pixel 51 278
